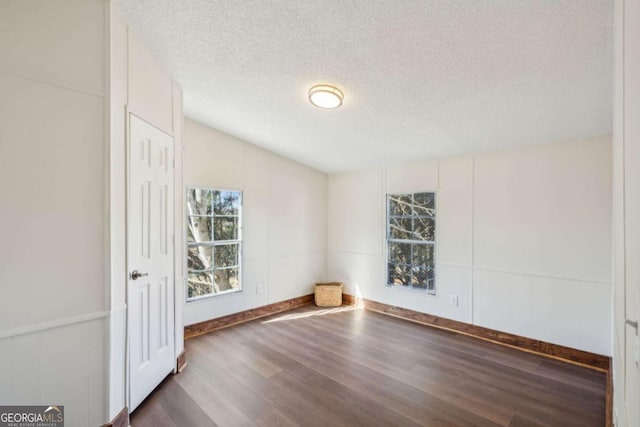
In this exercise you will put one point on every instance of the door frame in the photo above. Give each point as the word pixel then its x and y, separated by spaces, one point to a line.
pixel 127 346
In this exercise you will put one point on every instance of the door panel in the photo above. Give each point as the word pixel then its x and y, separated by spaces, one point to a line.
pixel 631 134
pixel 150 254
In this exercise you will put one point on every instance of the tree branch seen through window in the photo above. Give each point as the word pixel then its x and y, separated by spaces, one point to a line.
pixel 213 241
pixel 411 228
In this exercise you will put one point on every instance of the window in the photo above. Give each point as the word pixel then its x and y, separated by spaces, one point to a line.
pixel 411 229
pixel 214 242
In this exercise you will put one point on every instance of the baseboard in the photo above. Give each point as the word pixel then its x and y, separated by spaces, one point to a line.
pixel 120 420
pixel 207 326
pixel 609 397
pixel 348 299
pixel 181 362
pixel 577 357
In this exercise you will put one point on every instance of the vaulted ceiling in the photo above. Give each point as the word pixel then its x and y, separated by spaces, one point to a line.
pixel 420 78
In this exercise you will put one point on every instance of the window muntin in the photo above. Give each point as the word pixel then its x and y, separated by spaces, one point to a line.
pixel 214 242
pixel 411 235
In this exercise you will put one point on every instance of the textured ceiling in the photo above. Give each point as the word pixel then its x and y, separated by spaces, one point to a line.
pixel 421 78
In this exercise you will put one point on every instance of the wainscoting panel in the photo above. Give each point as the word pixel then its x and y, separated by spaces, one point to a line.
pixel 60 365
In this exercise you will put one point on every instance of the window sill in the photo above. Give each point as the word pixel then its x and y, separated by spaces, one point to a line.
pixel 204 298
pixel 409 288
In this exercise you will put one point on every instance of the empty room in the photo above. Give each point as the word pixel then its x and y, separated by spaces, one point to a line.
pixel 319 213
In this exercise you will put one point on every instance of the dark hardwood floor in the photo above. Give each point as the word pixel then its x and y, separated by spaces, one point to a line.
pixel 351 367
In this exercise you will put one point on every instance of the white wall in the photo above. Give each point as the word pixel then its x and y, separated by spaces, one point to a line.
pixel 67 70
pixel 54 304
pixel 626 191
pixel 138 85
pixel 523 238
pixel 284 222
pixel 119 65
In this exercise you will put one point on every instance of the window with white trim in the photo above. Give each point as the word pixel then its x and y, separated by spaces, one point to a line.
pixel 411 236
pixel 214 242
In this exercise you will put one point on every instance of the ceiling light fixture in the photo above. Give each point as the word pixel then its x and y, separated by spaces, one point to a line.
pixel 325 96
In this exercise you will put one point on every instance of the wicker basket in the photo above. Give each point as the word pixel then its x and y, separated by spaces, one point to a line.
pixel 328 294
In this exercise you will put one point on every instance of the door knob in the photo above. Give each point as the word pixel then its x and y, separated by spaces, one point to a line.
pixel 135 275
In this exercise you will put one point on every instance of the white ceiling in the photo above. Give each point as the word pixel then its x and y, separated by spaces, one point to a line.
pixel 421 78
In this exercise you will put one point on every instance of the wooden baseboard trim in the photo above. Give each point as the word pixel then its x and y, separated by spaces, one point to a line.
pixel 245 316
pixel 348 299
pixel 120 420
pixel 181 362
pixel 609 397
pixel 577 357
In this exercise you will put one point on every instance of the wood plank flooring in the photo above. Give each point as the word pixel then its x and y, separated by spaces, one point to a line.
pixel 351 367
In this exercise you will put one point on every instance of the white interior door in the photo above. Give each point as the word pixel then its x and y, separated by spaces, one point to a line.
pixel 632 209
pixel 150 291
pixel 632 282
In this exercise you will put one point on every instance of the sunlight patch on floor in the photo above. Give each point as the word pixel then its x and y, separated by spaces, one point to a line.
pixel 312 313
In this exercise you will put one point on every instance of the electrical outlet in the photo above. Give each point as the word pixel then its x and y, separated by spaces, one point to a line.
pixel 259 289
pixel 453 300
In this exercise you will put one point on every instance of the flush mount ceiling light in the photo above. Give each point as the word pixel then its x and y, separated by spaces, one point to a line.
pixel 325 96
